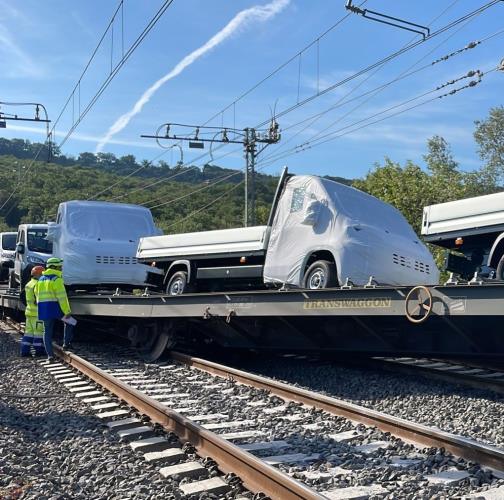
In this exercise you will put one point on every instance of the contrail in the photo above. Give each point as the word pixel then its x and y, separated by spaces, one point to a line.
pixel 241 20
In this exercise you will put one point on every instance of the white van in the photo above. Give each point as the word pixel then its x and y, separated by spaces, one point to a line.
pixel 98 240
pixel 32 249
pixel 7 253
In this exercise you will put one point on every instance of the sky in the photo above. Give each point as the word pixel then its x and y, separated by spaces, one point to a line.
pixel 203 54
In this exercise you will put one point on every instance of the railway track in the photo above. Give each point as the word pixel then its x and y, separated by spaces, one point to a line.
pixel 478 376
pixel 280 440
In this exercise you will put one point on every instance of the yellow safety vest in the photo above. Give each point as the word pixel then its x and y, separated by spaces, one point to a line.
pixel 51 295
pixel 31 301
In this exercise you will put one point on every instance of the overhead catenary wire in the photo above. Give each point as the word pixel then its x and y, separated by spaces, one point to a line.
pixel 262 165
pixel 454 23
pixel 153 21
pixel 316 41
pixel 187 195
pixel 119 65
pixel 376 90
pixel 332 87
pixel 336 134
pixel 372 66
pixel 404 75
pixel 341 101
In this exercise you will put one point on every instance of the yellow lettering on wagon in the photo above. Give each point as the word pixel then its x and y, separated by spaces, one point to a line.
pixel 365 303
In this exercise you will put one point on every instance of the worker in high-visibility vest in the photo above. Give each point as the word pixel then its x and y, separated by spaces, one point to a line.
pixel 53 304
pixel 34 327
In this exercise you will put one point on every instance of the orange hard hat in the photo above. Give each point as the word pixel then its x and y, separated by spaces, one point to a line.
pixel 37 271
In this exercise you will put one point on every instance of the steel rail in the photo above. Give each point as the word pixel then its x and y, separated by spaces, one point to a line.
pixel 257 476
pixel 452 377
pixel 466 448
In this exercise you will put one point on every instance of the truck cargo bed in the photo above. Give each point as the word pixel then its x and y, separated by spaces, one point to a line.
pixel 461 217
pixel 246 241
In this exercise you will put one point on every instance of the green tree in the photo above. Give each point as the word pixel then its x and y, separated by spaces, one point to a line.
pixel 489 135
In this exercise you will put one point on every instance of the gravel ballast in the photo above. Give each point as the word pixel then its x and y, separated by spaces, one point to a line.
pixel 460 410
pixel 368 458
pixel 53 447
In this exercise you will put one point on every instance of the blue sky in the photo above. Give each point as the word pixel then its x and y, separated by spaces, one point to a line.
pixel 45 45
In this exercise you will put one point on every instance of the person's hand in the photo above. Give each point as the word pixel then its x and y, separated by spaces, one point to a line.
pixel 67 316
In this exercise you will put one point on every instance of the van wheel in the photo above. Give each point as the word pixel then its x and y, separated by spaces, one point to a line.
pixel 321 274
pixel 177 284
pixel 499 273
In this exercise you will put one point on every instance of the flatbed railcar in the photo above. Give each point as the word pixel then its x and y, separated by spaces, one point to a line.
pixel 458 319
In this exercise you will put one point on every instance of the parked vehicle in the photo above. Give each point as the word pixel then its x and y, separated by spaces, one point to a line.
pixel 319 233
pixel 7 253
pixel 472 230
pixel 98 240
pixel 32 249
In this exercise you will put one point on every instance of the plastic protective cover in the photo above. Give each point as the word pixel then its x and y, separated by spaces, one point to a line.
pixel 98 240
pixel 364 235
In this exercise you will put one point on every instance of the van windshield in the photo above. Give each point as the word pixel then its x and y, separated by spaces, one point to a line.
pixel 36 241
pixel 9 242
pixel 110 225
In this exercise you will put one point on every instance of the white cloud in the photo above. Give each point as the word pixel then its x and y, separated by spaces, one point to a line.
pixel 240 21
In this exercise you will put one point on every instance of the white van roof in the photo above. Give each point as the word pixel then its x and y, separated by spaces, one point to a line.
pixel 101 204
pixel 33 226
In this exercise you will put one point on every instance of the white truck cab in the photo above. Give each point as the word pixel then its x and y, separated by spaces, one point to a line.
pixel 7 253
pixel 98 240
pixel 32 249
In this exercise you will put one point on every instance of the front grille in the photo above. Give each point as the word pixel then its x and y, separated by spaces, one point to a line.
pixel 400 260
pixel 108 259
pixel 403 261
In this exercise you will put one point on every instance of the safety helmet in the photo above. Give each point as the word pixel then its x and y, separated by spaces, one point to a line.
pixel 37 271
pixel 54 262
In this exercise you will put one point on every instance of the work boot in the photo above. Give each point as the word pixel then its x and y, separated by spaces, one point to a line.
pixel 51 359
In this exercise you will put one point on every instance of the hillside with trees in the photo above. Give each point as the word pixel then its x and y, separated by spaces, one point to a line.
pixel 183 198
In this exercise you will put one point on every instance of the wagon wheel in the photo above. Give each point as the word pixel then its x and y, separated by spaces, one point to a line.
pixel 418 304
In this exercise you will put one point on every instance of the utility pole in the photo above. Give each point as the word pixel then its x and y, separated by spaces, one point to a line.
pixel 248 137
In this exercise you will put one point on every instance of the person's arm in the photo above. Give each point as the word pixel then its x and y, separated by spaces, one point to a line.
pixel 61 296
pixel 30 296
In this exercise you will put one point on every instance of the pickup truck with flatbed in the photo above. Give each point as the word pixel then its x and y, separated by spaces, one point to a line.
pixel 320 233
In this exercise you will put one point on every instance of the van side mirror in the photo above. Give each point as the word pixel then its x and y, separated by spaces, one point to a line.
pixel 20 248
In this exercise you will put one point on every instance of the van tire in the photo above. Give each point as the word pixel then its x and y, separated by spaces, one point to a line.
pixel 177 284
pixel 499 273
pixel 321 274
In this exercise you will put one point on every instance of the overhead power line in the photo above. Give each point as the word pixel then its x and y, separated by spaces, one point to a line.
pixel 391 56
pixel 373 92
pixel 248 137
pixel 118 66
pixel 477 74
pixel 313 43
pixel 76 92
pixel 381 62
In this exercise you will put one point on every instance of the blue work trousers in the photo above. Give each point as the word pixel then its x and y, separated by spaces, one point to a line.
pixel 48 335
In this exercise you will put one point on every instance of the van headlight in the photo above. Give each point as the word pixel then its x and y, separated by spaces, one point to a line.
pixel 35 260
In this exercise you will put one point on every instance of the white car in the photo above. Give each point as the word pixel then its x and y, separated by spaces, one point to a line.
pixel 32 249
pixel 7 253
